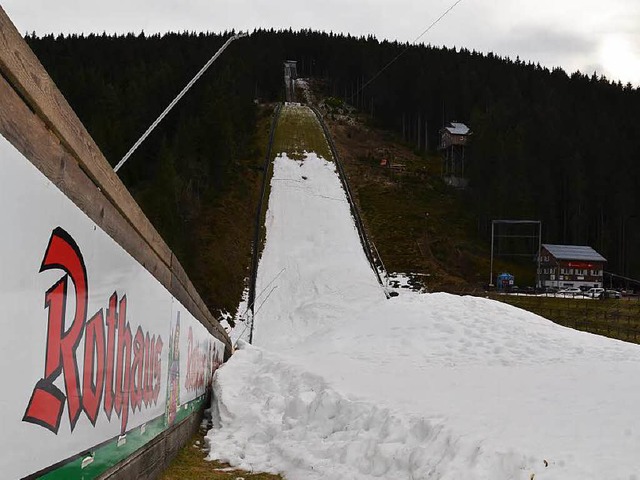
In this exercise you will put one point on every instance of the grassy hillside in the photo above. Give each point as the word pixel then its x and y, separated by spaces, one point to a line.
pixel 612 318
pixel 299 131
pixel 418 224
pixel 223 233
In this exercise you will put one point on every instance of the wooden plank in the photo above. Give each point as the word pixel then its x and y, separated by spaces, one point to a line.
pixel 196 300
pixel 155 456
pixel 178 271
pixel 31 137
pixel 27 75
pixel 181 294
pixel 57 143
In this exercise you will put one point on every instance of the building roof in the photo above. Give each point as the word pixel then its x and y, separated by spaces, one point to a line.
pixel 574 252
pixel 457 128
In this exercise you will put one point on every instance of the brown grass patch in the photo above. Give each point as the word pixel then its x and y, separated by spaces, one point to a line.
pixel 191 464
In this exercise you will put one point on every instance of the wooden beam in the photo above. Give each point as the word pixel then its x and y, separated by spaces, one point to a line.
pixel 38 121
pixel 31 137
pixel 26 74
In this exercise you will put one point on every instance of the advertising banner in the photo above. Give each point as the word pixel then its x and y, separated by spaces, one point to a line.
pixel 97 356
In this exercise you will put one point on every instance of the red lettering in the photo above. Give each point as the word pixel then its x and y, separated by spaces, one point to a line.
pixel 123 372
pixel 44 408
pixel 47 401
pixel 112 319
pixel 93 377
pixel 137 370
pixel 107 367
pixel 147 389
pixel 200 355
pixel 157 370
pixel 189 379
pixel 200 363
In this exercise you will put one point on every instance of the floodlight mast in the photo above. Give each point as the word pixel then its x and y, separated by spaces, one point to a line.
pixel 177 99
pixel 516 222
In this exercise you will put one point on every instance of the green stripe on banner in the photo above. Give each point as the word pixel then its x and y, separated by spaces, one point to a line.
pixel 109 454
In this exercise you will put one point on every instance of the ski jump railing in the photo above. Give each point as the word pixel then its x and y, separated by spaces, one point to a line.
pixel 257 234
pixel 140 350
pixel 374 261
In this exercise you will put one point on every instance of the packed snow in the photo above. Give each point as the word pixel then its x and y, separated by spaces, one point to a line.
pixel 342 383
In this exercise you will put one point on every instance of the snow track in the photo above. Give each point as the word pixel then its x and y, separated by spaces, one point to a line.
pixel 311 239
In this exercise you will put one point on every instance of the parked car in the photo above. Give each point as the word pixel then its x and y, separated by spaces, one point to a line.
pixel 570 292
pixel 594 292
pixel 612 294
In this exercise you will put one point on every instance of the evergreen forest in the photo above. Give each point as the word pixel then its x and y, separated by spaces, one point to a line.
pixel 547 145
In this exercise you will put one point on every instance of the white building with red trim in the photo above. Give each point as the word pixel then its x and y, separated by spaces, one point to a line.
pixel 564 266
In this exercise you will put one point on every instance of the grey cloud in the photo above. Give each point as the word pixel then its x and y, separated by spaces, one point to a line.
pixel 547 41
pixel 592 68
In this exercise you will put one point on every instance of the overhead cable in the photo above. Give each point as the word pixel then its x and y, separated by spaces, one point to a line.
pixel 433 24
pixel 177 99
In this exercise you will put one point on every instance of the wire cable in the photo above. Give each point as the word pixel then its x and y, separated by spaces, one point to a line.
pixel 177 99
pixel 426 30
pixel 253 318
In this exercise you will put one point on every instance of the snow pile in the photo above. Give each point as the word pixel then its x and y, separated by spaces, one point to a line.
pixel 302 84
pixel 282 419
pixel 418 386
pixel 238 326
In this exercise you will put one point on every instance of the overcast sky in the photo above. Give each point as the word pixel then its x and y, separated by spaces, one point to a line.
pixel 585 35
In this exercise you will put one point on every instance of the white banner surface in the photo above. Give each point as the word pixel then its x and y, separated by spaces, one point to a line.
pixel 93 346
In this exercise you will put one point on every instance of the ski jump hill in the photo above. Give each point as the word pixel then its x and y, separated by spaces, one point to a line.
pixel 107 349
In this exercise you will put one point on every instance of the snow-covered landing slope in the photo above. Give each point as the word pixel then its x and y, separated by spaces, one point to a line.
pixel 313 274
pixel 344 384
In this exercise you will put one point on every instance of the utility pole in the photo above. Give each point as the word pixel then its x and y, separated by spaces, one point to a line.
pixel 491 267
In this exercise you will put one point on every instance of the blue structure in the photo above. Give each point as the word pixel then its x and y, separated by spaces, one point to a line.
pixel 505 281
